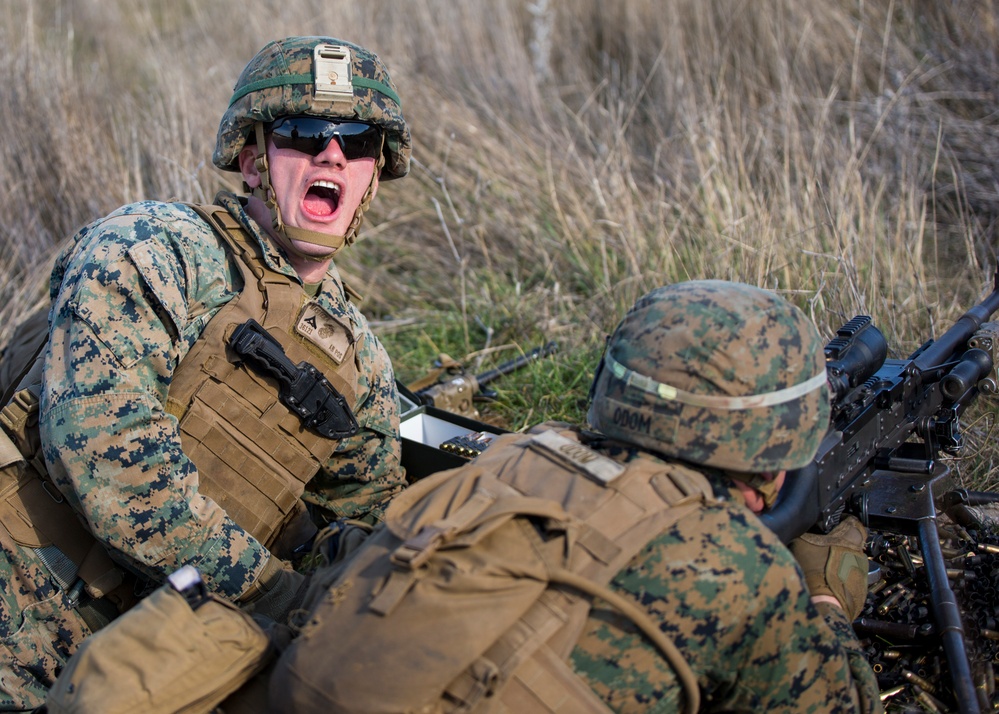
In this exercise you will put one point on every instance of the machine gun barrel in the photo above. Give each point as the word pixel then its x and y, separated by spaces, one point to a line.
pixel 877 405
pixel 940 350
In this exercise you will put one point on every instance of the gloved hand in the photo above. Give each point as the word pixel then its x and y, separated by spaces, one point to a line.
pixel 277 592
pixel 835 564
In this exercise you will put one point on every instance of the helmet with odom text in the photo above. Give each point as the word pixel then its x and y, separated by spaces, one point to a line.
pixel 715 373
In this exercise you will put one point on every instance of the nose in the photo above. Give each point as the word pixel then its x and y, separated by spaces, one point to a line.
pixel 332 153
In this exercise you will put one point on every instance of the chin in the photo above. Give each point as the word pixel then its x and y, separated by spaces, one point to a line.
pixel 312 248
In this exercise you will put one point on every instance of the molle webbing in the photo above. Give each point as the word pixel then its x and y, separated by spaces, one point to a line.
pixel 642 501
pixel 253 455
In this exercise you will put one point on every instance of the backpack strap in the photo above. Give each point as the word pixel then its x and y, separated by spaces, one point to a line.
pixel 643 622
pixel 476 589
pixel 643 498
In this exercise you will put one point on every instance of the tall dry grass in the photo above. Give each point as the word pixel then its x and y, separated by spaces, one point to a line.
pixel 570 154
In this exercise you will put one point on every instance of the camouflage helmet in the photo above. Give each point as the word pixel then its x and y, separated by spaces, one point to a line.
pixel 716 373
pixel 281 81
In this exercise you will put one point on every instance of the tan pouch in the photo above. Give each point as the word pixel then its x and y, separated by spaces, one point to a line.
pixel 165 655
pixel 408 632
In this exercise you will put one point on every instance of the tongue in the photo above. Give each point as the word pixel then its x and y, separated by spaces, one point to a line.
pixel 319 204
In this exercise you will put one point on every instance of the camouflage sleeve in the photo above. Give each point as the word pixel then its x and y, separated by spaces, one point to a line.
pixel 731 597
pixel 868 689
pixel 365 470
pixel 135 292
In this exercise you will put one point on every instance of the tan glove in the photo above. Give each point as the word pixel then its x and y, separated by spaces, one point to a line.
pixel 835 564
pixel 277 592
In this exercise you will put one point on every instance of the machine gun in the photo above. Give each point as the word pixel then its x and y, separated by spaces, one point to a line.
pixel 891 419
pixel 460 391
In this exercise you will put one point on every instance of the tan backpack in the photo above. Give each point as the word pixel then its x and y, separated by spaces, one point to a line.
pixel 474 592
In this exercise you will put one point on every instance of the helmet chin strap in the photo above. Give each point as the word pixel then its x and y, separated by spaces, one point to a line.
pixel 287 234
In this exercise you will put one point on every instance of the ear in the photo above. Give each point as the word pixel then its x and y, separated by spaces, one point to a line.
pixel 248 166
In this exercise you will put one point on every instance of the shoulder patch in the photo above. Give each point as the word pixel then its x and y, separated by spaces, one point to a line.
pixel 598 467
pixel 324 330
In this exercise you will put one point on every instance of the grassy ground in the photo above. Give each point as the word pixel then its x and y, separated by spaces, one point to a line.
pixel 570 155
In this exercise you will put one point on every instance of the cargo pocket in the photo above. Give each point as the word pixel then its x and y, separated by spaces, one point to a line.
pixel 166 655
pixel 39 629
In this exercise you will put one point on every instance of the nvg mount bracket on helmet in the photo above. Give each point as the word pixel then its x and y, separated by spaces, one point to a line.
pixel 332 76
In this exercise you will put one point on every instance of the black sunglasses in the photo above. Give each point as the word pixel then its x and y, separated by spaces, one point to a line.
pixel 311 135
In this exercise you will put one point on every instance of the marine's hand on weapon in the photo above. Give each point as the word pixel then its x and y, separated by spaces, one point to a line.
pixel 835 564
pixel 457 391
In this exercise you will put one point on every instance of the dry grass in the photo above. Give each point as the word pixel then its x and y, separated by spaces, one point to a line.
pixel 570 154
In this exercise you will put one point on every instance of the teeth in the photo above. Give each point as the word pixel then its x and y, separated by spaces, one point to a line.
pixel 327 184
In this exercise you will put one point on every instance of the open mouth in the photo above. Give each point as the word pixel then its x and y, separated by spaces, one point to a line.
pixel 322 198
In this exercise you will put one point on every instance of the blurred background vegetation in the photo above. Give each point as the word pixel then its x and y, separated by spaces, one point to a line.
pixel 570 155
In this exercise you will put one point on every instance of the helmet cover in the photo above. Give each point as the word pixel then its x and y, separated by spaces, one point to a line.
pixel 281 80
pixel 716 373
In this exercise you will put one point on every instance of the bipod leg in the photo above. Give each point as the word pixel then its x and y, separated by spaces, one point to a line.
pixel 948 618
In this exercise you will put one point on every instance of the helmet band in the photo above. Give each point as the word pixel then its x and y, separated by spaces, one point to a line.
pixel 290 79
pixel 753 401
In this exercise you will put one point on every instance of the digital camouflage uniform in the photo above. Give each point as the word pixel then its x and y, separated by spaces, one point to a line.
pixel 131 295
pixel 118 332
pixel 727 376
pixel 732 598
